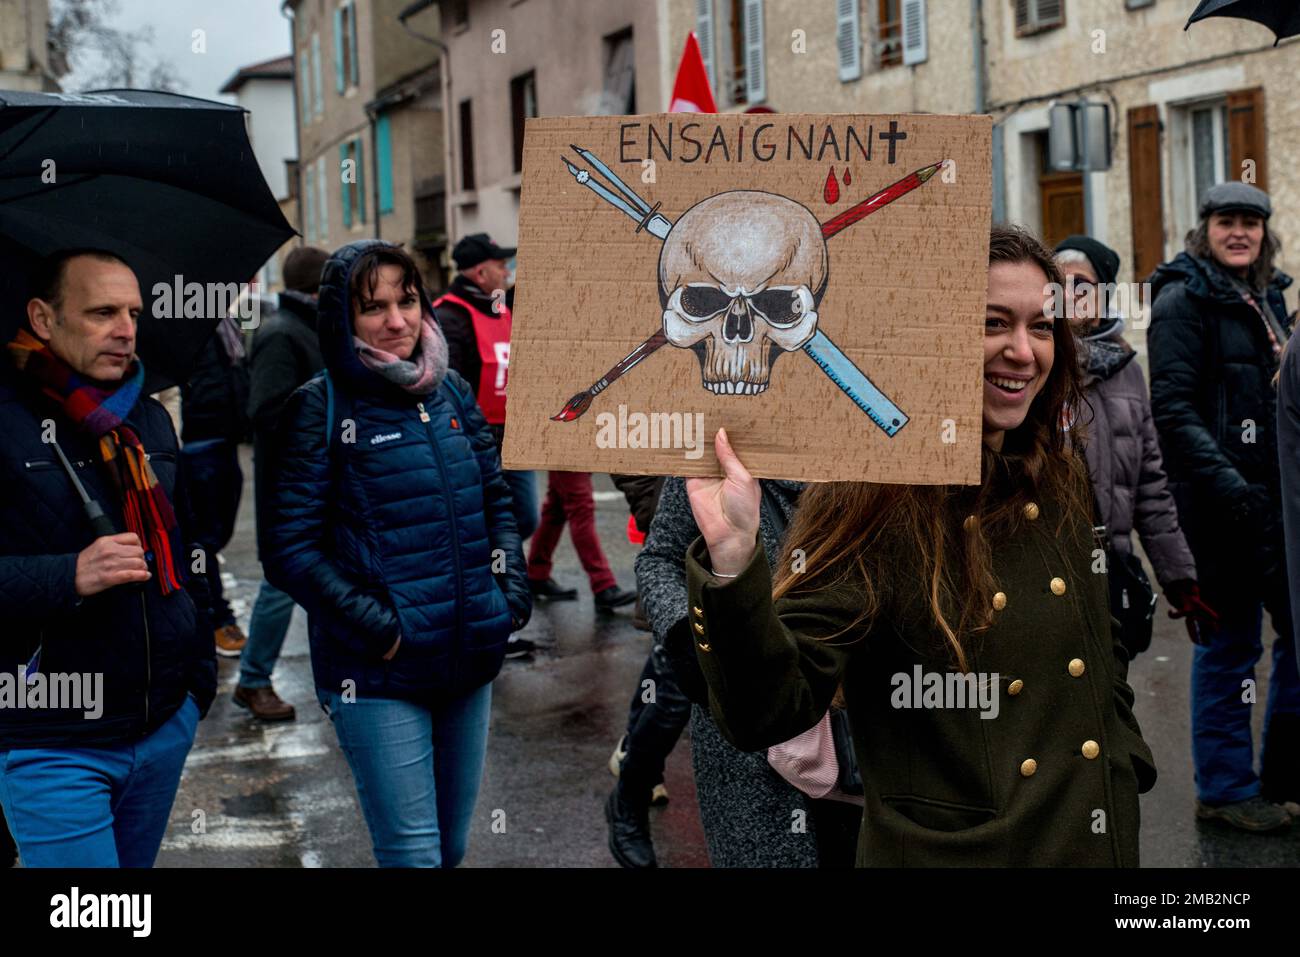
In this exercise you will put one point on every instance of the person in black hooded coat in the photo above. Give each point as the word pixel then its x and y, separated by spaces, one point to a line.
pixel 393 527
pixel 1218 325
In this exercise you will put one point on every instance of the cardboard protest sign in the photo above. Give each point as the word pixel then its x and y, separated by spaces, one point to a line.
pixel 813 283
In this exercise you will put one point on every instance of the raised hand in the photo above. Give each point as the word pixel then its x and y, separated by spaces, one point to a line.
pixel 726 510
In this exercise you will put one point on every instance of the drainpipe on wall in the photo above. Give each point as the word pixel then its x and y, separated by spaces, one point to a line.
pixel 286 11
pixel 981 106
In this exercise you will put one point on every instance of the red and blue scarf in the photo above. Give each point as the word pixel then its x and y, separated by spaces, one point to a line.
pixel 102 414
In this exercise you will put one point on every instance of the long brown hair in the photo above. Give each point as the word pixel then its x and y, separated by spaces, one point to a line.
pixel 883 537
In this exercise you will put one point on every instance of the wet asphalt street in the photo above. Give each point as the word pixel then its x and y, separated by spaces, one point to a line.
pixel 281 795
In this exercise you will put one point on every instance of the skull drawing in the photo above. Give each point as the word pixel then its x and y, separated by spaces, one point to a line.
pixel 740 278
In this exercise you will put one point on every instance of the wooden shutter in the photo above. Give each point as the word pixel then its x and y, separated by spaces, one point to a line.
pixel 704 34
pixel 1145 190
pixel 755 67
pixel 848 39
pixel 1247 138
pixel 915 42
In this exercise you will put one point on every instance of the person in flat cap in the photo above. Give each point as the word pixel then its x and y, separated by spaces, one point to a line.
pixel 1123 454
pixel 1218 328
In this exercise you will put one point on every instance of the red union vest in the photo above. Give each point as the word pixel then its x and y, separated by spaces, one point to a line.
pixel 492 334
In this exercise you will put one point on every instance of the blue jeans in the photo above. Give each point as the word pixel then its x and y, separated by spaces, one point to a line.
pixel 1221 735
pixel 523 489
pixel 417 769
pixel 270 623
pixel 96 807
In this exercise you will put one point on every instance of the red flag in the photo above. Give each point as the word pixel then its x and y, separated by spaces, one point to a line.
pixel 691 91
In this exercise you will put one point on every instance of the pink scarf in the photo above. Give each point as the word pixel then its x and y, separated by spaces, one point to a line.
pixel 420 374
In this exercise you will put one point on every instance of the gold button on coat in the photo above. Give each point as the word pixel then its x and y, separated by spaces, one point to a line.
pixel 1031 511
pixel 1015 687
pixel 1076 667
pixel 1091 749
pixel 970 523
pixel 699 612
pixel 999 601
pixel 699 629
pixel 1058 586
pixel 1028 767
pixel 704 647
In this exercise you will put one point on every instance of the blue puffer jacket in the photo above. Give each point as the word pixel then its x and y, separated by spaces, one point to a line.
pixel 394 533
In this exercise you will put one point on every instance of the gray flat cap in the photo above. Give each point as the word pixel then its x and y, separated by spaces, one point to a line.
pixel 1236 196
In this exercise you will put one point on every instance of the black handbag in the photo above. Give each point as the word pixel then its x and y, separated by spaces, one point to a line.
pixel 1132 599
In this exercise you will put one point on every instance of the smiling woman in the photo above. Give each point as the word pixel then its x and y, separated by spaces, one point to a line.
pixel 892 578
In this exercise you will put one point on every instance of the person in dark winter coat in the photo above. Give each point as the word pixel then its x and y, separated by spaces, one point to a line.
pixel 962 626
pixel 1218 325
pixel 393 527
pixel 285 354
pixel 746 807
pixel 88 779
pixel 214 421
pixel 1288 441
pixel 475 319
pixel 1123 452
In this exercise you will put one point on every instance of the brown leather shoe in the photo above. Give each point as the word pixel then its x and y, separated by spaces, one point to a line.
pixel 265 704
pixel 230 640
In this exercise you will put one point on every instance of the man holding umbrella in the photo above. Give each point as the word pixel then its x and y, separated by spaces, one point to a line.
pixel 95 585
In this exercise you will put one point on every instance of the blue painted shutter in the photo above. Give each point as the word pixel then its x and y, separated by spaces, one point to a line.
pixel 352 46
pixel 361 181
pixel 339 39
pixel 384 164
pixel 346 190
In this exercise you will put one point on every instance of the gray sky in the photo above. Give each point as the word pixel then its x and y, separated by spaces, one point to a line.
pixel 238 32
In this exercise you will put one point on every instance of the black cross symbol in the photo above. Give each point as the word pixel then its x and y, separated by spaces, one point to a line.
pixel 892 136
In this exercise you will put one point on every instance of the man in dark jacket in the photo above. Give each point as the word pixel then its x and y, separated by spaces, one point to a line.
pixel 213 423
pixel 106 659
pixel 285 354
pixel 1218 326
pixel 475 319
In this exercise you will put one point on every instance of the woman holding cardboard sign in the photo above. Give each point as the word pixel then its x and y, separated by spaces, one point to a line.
pixel 965 626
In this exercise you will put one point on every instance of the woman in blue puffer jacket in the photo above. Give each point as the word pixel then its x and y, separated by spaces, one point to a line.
pixel 393 528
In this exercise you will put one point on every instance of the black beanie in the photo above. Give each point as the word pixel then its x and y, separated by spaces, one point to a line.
pixel 1105 261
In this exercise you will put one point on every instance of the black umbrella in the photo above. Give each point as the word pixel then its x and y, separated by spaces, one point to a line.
pixel 167 182
pixel 1280 16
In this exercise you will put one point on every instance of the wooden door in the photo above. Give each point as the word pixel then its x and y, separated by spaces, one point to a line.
pixel 1062 205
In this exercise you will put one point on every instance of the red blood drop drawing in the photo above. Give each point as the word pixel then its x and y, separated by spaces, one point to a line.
pixel 831 192
pixel 848 177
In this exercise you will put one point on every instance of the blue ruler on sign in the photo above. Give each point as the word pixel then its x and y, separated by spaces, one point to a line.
pixel 853 383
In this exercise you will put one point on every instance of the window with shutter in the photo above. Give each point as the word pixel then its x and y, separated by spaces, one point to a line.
pixel 309 203
pixel 704 35
pixel 1035 16
pixel 848 39
pixel 318 95
pixel 523 105
pixel 1145 190
pixel 323 199
pixel 304 87
pixel 466 146
pixel 1247 136
pixel 755 66
pixel 359 153
pixel 915 42
pixel 889 33
pixel 340 45
pixel 354 65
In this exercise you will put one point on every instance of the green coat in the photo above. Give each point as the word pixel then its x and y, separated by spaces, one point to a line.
pixel 1052 780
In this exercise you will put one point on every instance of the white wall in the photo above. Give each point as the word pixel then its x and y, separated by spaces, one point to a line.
pixel 270 128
